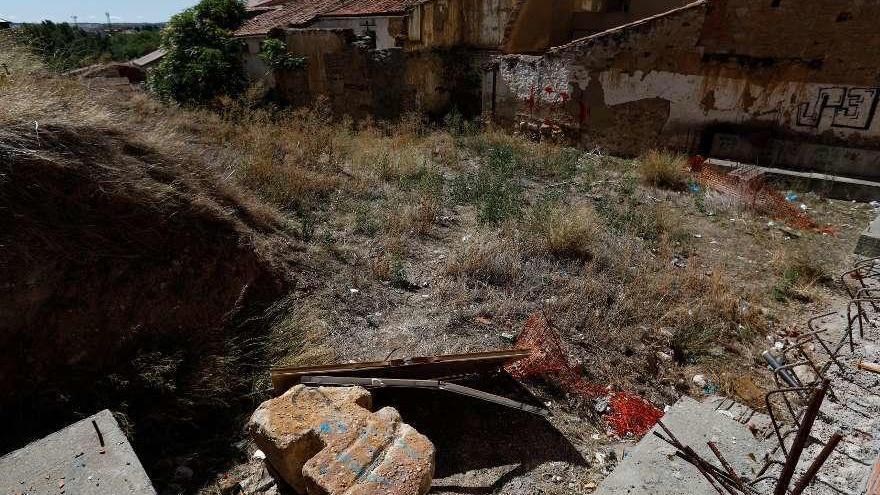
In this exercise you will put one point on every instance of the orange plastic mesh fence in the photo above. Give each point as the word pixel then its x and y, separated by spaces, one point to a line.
pixel 747 186
pixel 628 413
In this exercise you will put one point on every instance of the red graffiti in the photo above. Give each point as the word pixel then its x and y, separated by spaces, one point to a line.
pixel 548 89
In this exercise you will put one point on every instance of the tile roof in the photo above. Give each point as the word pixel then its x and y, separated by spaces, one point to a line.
pixel 297 13
pixel 371 7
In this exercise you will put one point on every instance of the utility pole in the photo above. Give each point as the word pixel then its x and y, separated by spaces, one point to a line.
pixel 108 19
pixel 75 24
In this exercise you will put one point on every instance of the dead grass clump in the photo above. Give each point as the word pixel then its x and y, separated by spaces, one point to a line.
pixel 413 218
pixel 708 315
pixel 489 257
pixel 801 271
pixel 572 232
pixel 665 169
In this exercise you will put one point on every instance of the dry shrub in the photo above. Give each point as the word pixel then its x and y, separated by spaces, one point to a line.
pixel 298 336
pixel 408 218
pixel 489 257
pixel 573 232
pixel 665 169
pixel 801 270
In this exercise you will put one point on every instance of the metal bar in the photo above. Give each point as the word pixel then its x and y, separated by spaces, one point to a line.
pixel 808 476
pixel 423 384
pixel 800 440
pixel 772 415
pixel 726 465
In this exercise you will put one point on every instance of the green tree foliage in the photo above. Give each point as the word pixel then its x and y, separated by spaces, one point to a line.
pixel 203 60
pixel 63 47
pixel 274 53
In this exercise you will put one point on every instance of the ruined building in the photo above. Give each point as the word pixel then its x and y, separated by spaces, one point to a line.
pixel 772 82
pixel 383 57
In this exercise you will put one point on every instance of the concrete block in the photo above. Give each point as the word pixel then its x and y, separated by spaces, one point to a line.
pixel 325 440
pixel 651 468
pixel 869 241
pixel 72 460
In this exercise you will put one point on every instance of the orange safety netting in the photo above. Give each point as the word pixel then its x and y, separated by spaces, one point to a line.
pixel 628 413
pixel 746 185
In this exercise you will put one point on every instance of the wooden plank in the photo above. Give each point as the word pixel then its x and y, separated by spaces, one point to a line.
pixel 427 367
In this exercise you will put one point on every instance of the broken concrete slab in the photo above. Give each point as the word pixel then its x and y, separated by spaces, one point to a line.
pixel 869 240
pixel 92 456
pixel 651 467
pixel 326 440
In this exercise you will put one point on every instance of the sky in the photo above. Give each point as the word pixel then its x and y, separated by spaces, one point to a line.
pixel 91 10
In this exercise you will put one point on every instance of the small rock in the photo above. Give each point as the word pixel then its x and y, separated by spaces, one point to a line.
pixel 700 380
pixel 259 454
pixel 508 337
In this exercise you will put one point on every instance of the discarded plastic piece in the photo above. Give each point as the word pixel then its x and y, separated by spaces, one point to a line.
pixel 774 364
pixel 791 196
pixel 629 414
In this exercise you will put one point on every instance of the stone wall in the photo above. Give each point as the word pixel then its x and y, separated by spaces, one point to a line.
pixel 383 84
pixel 735 78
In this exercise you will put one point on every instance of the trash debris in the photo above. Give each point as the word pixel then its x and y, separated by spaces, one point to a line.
pixel 626 413
pixel 791 196
pixel 508 337
pixel 746 185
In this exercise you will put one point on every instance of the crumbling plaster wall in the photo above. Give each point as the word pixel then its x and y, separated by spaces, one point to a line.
pixel 677 79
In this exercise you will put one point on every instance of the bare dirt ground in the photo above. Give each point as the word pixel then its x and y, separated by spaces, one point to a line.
pixel 411 239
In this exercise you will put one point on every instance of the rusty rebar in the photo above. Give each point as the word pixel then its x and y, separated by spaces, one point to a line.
pixel 800 440
pixel 816 465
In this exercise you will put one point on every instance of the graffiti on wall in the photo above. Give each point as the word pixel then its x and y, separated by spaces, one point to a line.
pixel 851 108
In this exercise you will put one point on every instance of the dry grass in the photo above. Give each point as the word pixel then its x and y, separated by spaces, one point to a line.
pixel 573 232
pixel 664 169
pixel 488 257
pixel 801 272
pixel 494 225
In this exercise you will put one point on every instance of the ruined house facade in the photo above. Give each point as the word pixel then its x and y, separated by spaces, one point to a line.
pixel 426 55
pixel 772 82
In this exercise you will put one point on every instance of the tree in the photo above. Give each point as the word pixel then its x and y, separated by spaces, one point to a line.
pixel 202 59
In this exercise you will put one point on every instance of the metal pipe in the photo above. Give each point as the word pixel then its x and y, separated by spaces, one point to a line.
pixel 787 375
